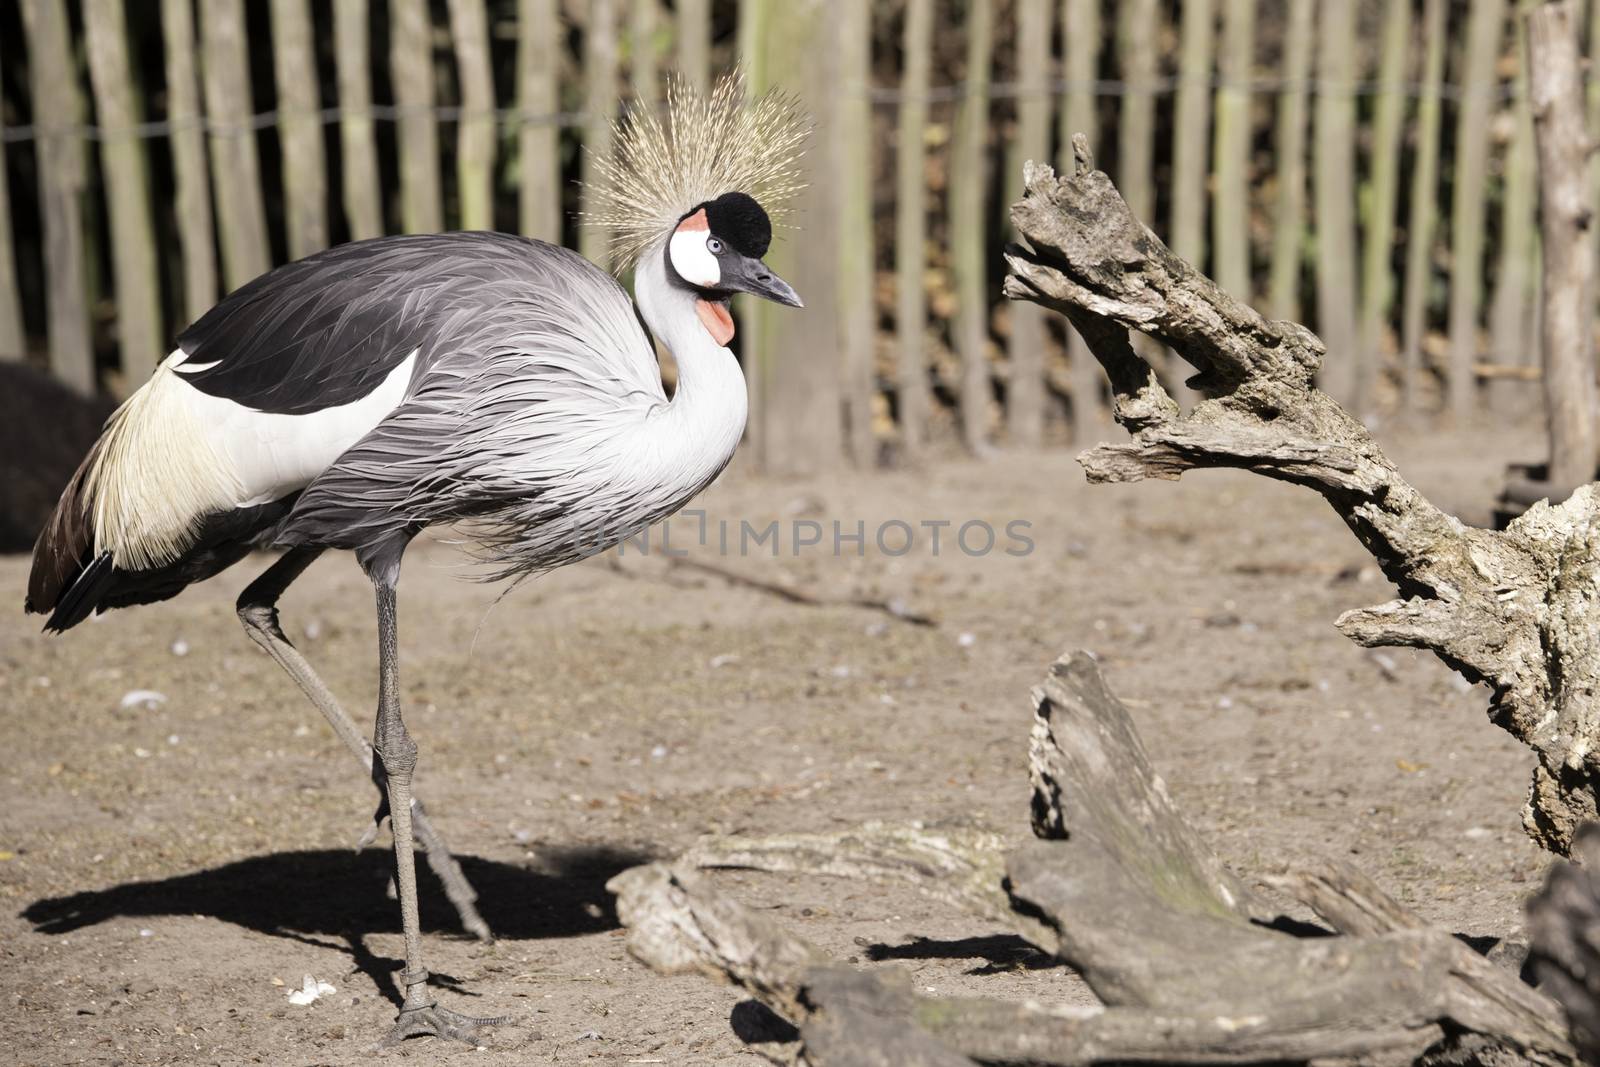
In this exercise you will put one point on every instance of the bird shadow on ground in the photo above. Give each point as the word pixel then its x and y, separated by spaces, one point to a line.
pixel 1003 952
pixel 341 893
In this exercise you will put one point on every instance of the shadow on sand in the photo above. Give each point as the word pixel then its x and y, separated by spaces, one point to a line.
pixel 338 892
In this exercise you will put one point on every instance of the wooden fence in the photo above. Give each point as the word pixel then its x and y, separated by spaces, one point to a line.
pixel 1366 167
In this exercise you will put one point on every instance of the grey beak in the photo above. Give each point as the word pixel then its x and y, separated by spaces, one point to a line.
pixel 746 274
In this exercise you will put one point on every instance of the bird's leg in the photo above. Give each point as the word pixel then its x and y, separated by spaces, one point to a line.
pixel 259 612
pixel 419 1014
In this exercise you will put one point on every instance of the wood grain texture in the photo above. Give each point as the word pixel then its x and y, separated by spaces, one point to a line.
pixel 1025 345
pixel 1515 609
pixel 1421 228
pixel 1081 29
pixel 476 131
pixel 1469 186
pixel 539 50
pixel 1190 965
pixel 13 332
pixel 600 111
pixel 358 163
pixel 911 229
pixel 1288 216
pixel 192 200
pixel 1565 214
pixel 856 258
pixel 235 164
pixel 1333 188
pixel 140 333
pixel 411 69
pixel 969 177
pixel 58 112
pixel 305 183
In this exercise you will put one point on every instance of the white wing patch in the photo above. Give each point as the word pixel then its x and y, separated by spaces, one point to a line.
pixel 172 455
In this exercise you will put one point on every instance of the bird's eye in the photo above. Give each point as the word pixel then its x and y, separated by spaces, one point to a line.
pixel 714 246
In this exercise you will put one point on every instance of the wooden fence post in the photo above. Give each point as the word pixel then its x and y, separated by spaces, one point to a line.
pixel 13 333
pixel 694 42
pixel 476 131
pixel 1377 282
pixel 1191 127
pixel 600 110
pixel 358 163
pixel 1555 87
pixel 642 52
pixel 911 228
pixel 968 181
pixel 411 69
pixel 1420 233
pixel 235 167
pixel 1512 336
pixel 1080 27
pixel 305 183
pixel 857 300
pixel 122 155
pixel 1334 193
pixel 755 354
pixel 196 232
pixel 1484 33
pixel 1230 216
pixel 1025 350
pixel 58 117
pixel 801 368
pixel 1289 216
pixel 538 135
pixel 1594 117
pixel 1137 21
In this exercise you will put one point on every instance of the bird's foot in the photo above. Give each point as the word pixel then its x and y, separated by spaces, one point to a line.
pixel 431 1020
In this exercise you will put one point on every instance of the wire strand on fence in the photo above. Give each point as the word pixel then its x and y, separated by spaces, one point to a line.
pixel 513 117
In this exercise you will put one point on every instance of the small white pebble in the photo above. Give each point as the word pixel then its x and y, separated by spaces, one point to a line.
pixel 142 698
pixel 841 671
pixel 147 933
pixel 659 752
pixel 722 660
pixel 180 647
pixel 1224 702
pixel 967 639
pixel 142 753
pixel 302 730
pixel 1476 833
pixel 173 739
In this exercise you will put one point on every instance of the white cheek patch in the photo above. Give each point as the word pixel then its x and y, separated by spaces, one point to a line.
pixel 693 260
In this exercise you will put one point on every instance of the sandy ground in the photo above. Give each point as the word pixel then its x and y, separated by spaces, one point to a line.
pixel 169 870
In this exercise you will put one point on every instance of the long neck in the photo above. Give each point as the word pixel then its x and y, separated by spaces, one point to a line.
pixel 706 417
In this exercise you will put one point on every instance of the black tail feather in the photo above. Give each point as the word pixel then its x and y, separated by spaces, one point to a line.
pixel 83 596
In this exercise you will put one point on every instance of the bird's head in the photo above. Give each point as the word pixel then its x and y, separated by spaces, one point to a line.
pixel 698 185
pixel 716 249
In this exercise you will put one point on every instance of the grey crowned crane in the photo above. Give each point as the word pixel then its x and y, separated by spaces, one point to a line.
pixel 356 397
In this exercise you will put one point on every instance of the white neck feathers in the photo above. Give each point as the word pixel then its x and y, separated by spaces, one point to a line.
pixel 703 423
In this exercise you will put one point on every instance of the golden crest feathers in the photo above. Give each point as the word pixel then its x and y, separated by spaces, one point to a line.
pixel 661 168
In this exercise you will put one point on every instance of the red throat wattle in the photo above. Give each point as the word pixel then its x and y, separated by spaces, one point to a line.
pixel 715 318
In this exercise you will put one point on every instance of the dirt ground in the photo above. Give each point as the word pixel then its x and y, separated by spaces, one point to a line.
pixel 170 868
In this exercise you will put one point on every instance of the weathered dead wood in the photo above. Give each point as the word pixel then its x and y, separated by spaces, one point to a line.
pixel 1121 887
pixel 1564 931
pixel 1517 609
pixel 960 865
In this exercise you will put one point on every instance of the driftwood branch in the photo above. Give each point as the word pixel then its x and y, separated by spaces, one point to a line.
pixel 1564 930
pixel 1516 609
pixel 1191 965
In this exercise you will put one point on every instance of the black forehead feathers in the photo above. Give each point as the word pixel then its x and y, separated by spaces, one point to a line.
pixel 738 220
